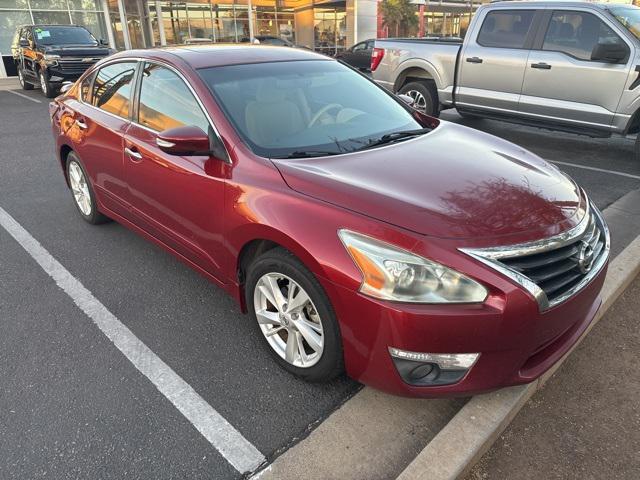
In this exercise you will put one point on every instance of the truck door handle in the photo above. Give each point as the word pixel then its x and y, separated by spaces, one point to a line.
pixel 541 66
pixel 474 60
pixel 133 154
pixel 81 124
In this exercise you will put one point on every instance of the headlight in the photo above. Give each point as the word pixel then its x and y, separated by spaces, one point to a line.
pixel 51 59
pixel 391 273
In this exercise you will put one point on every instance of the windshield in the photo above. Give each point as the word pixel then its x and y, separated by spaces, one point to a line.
pixel 305 108
pixel 63 36
pixel 629 17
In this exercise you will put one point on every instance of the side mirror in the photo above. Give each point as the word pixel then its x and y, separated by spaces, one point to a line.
pixel 184 141
pixel 66 86
pixel 609 52
pixel 24 43
pixel 407 99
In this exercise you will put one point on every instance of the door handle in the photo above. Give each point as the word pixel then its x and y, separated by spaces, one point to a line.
pixel 81 124
pixel 474 60
pixel 541 66
pixel 133 154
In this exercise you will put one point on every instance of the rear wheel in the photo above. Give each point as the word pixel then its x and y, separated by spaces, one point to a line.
pixel 82 191
pixel 294 317
pixel 425 97
pixel 23 83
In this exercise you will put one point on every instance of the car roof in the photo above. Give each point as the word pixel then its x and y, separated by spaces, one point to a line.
pixel 204 56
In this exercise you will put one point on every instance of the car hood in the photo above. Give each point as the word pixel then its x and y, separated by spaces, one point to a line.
pixel 77 50
pixel 454 182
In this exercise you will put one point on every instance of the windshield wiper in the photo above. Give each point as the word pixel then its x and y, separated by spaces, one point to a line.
pixel 395 136
pixel 309 154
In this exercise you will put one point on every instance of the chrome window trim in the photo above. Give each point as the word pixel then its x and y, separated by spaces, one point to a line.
pixel 491 257
pixel 173 69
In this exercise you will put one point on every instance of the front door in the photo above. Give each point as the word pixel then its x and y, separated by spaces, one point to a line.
pixel 562 83
pixel 178 199
pixel 492 64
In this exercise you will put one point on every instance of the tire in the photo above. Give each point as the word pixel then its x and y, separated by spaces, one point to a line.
pixel 282 264
pixel 425 95
pixel 23 83
pixel 47 89
pixel 91 214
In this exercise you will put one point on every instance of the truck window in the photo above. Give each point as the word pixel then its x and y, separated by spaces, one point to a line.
pixel 577 33
pixel 505 28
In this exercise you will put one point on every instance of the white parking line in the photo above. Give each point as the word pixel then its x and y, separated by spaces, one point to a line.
pixel 596 169
pixel 236 449
pixel 24 96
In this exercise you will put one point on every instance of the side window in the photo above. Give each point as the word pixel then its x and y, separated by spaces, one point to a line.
pixel 505 28
pixel 85 88
pixel 359 47
pixel 112 88
pixel 155 112
pixel 577 33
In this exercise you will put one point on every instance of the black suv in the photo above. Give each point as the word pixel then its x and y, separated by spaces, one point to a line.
pixel 47 55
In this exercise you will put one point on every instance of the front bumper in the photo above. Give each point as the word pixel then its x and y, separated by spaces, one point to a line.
pixel 517 343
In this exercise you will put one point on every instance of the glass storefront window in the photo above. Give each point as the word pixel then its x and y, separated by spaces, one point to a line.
pixel 13 4
pixel 85 5
pixel 51 18
pixel 92 21
pixel 49 5
pixel 330 29
pixel 9 22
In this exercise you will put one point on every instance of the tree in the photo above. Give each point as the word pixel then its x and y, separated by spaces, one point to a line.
pixel 399 16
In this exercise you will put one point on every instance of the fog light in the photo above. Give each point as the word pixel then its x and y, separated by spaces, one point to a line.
pixel 430 369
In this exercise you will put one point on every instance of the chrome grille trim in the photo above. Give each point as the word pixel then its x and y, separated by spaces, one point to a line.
pixel 592 228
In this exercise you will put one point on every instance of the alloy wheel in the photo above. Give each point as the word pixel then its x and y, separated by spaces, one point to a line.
pixel 288 320
pixel 419 102
pixel 43 83
pixel 80 189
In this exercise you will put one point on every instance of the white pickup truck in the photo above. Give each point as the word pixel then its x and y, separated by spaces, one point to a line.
pixel 571 66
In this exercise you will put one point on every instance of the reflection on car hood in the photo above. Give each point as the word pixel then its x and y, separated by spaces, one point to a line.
pixel 454 182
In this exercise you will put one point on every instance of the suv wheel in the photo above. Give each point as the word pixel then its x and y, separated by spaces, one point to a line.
pixel 47 90
pixel 23 83
pixel 294 317
pixel 425 97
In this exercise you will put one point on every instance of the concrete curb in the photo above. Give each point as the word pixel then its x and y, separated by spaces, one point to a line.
pixel 472 431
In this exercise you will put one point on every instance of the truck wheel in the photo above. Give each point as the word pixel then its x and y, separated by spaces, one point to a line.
pixel 23 83
pixel 425 97
pixel 47 90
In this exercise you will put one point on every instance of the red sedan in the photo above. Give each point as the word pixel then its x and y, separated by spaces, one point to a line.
pixel 422 257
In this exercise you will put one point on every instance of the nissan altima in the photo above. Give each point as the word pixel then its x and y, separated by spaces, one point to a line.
pixel 418 256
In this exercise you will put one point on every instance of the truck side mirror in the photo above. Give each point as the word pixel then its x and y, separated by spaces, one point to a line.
pixel 24 43
pixel 609 52
pixel 406 99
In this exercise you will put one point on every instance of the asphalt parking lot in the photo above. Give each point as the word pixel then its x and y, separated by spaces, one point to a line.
pixel 74 407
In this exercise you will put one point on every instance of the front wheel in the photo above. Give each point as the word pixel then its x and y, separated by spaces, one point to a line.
pixel 294 317
pixel 47 89
pixel 424 95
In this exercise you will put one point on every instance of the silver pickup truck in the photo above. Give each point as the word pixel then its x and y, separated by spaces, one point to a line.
pixel 569 66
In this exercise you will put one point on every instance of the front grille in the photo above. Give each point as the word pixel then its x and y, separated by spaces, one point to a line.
pixel 554 269
pixel 75 66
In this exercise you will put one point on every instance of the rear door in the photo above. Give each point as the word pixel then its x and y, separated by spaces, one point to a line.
pixel 177 199
pixel 494 59
pixel 562 83
pixel 100 120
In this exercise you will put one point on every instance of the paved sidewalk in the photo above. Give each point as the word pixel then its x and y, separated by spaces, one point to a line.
pixel 585 423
